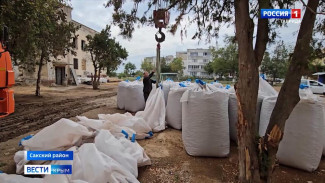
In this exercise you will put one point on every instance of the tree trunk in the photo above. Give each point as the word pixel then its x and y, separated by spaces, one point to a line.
pixel 289 93
pixel 38 82
pixel 246 91
pixel 95 83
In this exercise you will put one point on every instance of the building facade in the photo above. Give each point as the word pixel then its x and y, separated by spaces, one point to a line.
pixel 65 69
pixel 194 61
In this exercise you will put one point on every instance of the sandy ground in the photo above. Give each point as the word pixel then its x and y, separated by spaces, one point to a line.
pixel 170 162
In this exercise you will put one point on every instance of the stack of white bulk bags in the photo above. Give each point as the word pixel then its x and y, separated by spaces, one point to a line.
pixel 302 143
pixel 134 100
pixel 205 123
pixel 174 107
pixel 121 93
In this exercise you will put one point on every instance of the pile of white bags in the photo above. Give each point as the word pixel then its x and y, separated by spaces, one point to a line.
pixel 174 107
pixel 102 153
pixel 155 110
pixel 130 96
pixel 205 123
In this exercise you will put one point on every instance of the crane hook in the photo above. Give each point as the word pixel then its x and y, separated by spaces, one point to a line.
pixel 161 38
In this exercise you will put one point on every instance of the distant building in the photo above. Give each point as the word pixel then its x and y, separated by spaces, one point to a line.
pixel 194 61
pixel 153 60
pixel 64 70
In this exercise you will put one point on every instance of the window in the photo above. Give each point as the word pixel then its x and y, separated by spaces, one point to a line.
pixel 75 63
pixel 75 43
pixel 194 54
pixel 205 60
pixel 194 60
pixel 83 45
pixel 304 82
pixel 206 54
pixel 313 83
pixel 193 73
pixel 83 64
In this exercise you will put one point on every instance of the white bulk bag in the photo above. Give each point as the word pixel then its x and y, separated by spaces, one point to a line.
pixel 301 146
pixel 166 85
pixel 106 143
pixel 233 115
pixel 121 93
pixel 134 99
pixel 155 111
pixel 265 89
pixel 205 123
pixel 268 105
pixel 174 107
pixel 13 178
pixel 58 136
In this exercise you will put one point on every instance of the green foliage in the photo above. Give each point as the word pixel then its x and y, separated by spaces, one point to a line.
pixel 129 68
pixel 177 66
pixel 37 28
pixel 276 66
pixel 146 65
pixel 105 52
pixel 165 68
pixel 138 73
pixel 121 75
pixel 112 74
pixel 225 61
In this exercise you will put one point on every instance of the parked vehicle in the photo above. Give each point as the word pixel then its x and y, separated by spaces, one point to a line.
pixel 315 86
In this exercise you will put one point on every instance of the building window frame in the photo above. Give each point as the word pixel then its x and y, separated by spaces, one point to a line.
pixel 75 63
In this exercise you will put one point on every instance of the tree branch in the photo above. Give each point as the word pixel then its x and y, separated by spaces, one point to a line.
pixel 321 13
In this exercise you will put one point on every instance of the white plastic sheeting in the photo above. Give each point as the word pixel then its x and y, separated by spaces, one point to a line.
pixel 155 110
pixel 58 136
pixel 205 123
pixel 174 107
pixel 301 146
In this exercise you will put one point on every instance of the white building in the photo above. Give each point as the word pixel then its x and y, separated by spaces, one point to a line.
pixel 64 70
pixel 194 61
pixel 168 58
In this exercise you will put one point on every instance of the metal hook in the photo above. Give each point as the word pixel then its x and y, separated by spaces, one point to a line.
pixel 162 36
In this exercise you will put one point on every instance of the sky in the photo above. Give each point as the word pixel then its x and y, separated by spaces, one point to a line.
pixel 93 14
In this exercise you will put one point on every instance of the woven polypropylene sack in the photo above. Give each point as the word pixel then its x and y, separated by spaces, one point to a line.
pixel 121 93
pixel 174 108
pixel 134 100
pixel 302 143
pixel 205 123
pixel 233 115
pixel 266 111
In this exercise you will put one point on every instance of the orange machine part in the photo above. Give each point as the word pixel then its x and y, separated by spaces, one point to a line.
pixel 7 102
pixel 7 76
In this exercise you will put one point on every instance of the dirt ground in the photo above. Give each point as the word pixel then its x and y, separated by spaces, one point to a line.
pixel 170 163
